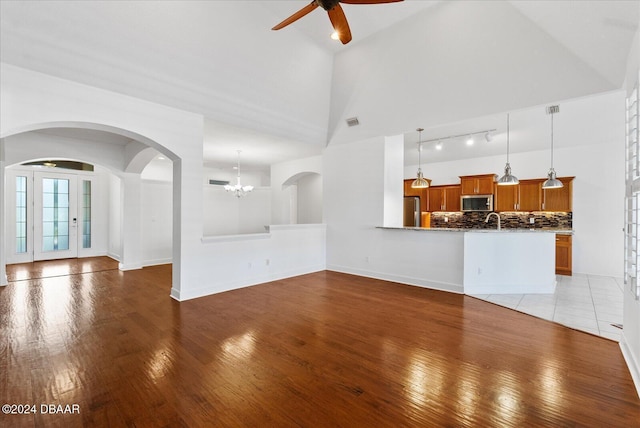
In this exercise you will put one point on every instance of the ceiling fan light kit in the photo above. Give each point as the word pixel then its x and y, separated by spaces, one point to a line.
pixel 336 15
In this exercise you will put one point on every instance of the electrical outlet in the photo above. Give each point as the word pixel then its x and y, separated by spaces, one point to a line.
pixel 446 219
pixel 532 220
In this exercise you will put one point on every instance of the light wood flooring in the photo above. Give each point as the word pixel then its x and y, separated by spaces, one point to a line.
pixel 319 350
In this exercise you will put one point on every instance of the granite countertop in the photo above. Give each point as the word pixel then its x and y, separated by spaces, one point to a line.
pixel 455 229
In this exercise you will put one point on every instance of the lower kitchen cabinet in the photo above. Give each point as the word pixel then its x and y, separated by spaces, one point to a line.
pixel 563 254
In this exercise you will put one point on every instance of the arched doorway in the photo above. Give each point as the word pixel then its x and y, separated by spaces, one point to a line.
pixel 305 197
pixel 122 153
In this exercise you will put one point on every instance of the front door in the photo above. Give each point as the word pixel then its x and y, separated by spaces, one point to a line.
pixel 55 216
pixel 49 215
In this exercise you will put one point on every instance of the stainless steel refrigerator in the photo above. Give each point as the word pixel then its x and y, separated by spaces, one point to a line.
pixel 411 211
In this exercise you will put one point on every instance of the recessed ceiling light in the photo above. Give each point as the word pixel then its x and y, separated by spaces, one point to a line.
pixel 335 36
pixel 470 141
pixel 439 145
pixel 161 158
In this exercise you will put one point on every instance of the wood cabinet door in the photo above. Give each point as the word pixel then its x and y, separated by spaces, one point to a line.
pixel 559 199
pixel 530 198
pixel 563 255
pixel 436 199
pixel 452 198
pixel 485 185
pixel 477 184
pixel 468 185
pixel 506 198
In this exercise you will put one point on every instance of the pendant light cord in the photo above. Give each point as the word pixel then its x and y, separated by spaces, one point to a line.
pixel 507 138
pixel 551 140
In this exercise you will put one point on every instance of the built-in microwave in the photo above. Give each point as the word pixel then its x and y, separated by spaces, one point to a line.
pixel 476 203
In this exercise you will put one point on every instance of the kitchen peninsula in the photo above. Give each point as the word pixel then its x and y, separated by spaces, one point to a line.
pixel 507 261
pixel 464 219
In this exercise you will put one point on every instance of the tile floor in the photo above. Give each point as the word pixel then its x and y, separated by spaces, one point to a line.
pixel 585 302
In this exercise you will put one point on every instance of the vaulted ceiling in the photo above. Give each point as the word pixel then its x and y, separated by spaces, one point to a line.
pixel 280 95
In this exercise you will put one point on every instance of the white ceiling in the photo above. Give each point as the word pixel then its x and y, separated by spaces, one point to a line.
pixel 268 93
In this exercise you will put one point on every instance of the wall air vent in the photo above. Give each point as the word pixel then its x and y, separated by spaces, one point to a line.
pixel 553 109
pixel 219 182
pixel 353 121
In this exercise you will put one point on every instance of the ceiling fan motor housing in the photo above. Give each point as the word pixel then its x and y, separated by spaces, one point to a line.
pixel 327 4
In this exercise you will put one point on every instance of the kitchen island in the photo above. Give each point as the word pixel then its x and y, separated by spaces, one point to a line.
pixel 507 261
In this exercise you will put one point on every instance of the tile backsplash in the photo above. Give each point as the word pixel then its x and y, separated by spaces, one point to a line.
pixel 509 220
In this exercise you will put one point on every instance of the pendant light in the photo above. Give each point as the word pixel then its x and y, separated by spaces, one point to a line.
pixel 420 182
pixel 238 189
pixel 552 182
pixel 507 179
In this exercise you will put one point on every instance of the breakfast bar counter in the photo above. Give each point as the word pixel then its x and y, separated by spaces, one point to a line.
pixel 507 261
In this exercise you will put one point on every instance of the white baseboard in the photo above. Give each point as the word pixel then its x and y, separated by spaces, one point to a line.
pixel 402 279
pixel 182 295
pixel 157 262
pixel 130 266
pixel 632 363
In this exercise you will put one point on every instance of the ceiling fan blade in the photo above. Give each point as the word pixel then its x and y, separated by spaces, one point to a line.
pixel 299 14
pixel 368 1
pixel 340 24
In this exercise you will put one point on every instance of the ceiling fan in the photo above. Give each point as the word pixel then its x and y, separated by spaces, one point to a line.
pixel 336 15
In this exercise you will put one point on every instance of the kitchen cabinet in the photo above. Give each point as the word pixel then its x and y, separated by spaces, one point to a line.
pixel 563 254
pixel 530 195
pixel 559 199
pixel 477 184
pixel 526 196
pixel 423 194
pixel 444 198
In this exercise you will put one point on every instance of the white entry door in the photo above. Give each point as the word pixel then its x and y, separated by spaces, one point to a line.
pixel 55 216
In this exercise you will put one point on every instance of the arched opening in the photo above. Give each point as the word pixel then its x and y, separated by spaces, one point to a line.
pixel 305 197
pixel 132 215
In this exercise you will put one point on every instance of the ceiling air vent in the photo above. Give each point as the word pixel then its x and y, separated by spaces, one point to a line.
pixel 553 109
pixel 353 121
pixel 219 182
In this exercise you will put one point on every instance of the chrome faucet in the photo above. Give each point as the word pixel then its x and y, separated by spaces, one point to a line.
pixel 486 220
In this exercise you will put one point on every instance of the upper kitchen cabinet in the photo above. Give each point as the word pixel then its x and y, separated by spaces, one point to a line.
pixel 477 184
pixel 559 199
pixel 526 196
pixel 530 195
pixel 444 198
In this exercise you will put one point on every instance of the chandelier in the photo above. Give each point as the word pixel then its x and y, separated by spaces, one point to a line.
pixel 238 189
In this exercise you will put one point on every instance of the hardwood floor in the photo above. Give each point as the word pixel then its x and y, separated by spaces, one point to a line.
pixel 325 349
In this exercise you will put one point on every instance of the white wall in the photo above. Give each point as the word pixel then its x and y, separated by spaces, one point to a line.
pixel 355 244
pixel 157 222
pixel 115 220
pixel 225 214
pixel 594 126
pixel 309 196
pixel 630 343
